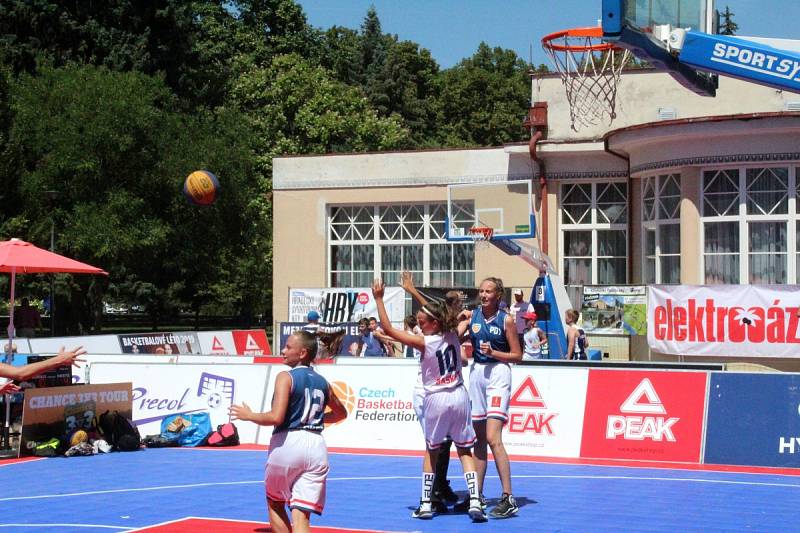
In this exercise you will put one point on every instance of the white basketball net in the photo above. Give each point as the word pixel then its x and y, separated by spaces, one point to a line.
pixel 590 78
pixel 481 236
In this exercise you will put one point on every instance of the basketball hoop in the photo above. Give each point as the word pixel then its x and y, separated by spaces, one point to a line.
pixel 590 70
pixel 481 236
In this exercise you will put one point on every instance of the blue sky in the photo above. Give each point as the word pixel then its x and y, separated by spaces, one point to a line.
pixel 452 29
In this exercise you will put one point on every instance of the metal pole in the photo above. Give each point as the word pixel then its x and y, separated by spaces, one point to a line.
pixel 52 277
pixel 6 440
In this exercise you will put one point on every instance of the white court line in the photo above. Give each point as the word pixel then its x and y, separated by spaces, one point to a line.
pixel 67 525
pixel 384 478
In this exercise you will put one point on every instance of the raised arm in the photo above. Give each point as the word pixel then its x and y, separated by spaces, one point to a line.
pixel 21 373
pixel 415 341
pixel 407 282
pixel 280 402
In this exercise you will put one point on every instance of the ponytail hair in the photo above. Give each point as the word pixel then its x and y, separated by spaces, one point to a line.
pixel 442 314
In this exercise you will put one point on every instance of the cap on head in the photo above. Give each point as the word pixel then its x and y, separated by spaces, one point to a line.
pixel 529 316
pixel 518 292
pixel 312 315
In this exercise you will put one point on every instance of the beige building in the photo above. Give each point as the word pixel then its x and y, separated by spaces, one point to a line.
pixel 678 189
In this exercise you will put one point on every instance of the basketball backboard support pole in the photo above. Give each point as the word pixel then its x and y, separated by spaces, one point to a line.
pixel 678 37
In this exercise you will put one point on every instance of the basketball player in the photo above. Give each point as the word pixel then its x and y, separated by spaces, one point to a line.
pixel 442 492
pixel 297 467
pixel 494 345
pixel 446 405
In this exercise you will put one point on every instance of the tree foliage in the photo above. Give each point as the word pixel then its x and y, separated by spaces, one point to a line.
pixel 112 104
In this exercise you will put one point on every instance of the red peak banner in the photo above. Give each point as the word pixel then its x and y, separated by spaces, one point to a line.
pixel 724 320
pixel 641 415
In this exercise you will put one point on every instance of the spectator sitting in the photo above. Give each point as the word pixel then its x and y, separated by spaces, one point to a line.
pixel 27 319
pixel 370 346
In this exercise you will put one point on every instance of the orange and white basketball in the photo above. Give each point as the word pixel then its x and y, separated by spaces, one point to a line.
pixel 201 187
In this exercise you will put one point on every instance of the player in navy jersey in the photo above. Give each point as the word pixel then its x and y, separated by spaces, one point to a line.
pixel 495 344
pixel 297 467
pixel 446 403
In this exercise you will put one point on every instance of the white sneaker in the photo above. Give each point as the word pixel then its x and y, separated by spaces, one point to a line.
pixel 424 511
pixel 476 512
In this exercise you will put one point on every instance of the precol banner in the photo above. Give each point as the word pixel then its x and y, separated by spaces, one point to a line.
pixel 644 415
pixel 724 320
pixel 344 305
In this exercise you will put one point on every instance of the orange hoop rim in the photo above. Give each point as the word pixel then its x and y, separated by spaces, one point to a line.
pixel 591 32
pixel 485 231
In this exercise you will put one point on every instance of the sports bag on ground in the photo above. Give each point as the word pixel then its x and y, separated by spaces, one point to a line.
pixel 119 431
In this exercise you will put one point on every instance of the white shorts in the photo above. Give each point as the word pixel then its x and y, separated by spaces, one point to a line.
pixel 418 402
pixel 297 469
pixel 490 390
pixel 447 417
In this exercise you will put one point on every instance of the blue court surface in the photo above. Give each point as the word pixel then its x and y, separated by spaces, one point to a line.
pixel 128 491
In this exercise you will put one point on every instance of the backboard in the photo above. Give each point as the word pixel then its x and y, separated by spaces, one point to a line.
pixel 506 207
pixel 644 27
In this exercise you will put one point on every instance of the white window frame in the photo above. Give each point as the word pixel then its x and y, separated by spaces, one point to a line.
pixel 593 225
pixel 657 223
pixel 791 218
pixel 378 241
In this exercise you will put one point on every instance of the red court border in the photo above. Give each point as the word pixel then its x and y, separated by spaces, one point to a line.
pixel 194 524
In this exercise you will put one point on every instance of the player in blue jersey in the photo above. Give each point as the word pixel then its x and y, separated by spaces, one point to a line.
pixel 297 467
pixel 495 344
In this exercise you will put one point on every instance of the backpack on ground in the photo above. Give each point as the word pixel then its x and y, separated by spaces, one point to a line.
pixel 119 431
pixel 225 435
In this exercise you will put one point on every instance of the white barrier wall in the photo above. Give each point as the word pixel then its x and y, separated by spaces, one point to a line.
pixel 162 389
pixel 100 344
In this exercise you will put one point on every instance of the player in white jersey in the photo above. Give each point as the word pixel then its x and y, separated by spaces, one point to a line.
pixel 446 406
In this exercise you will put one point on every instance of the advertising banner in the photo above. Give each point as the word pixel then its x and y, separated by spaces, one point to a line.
pixel 644 415
pixel 184 342
pixel 724 320
pixel 617 310
pixel 344 343
pixel 164 389
pixel 379 403
pixel 753 419
pixel 93 344
pixel 58 411
pixel 344 305
pixel 546 411
pixel 251 342
pixel 216 342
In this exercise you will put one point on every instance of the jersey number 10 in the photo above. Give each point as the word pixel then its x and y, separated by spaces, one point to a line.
pixel 447 360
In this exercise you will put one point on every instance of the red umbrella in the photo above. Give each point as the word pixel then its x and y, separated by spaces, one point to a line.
pixel 22 257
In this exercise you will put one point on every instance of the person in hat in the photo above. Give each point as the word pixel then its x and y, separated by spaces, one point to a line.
pixel 518 309
pixel 533 338
pixel 327 336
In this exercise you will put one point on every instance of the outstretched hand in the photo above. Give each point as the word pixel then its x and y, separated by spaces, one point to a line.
pixel 378 288
pixel 240 412
pixel 407 280
pixel 70 357
pixel 9 388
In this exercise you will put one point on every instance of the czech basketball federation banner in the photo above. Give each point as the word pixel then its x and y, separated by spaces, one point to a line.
pixel 344 305
pixel 724 320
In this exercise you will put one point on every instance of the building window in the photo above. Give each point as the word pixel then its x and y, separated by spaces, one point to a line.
pixel 383 240
pixel 594 235
pixel 748 216
pixel 661 199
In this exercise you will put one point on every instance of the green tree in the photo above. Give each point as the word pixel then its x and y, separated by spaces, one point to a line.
pixel 483 99
pixel 727 25
pixel 117 150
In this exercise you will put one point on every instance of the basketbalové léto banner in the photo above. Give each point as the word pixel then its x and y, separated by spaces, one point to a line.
pixel 724 320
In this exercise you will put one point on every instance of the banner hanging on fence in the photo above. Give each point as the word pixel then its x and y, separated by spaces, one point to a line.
pixel 344 305
pixel 618 309
pixel 724 320
pixel 335 339
pixel 183 342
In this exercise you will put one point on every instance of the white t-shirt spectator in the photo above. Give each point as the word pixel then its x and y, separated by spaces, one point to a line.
pixel 517 310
